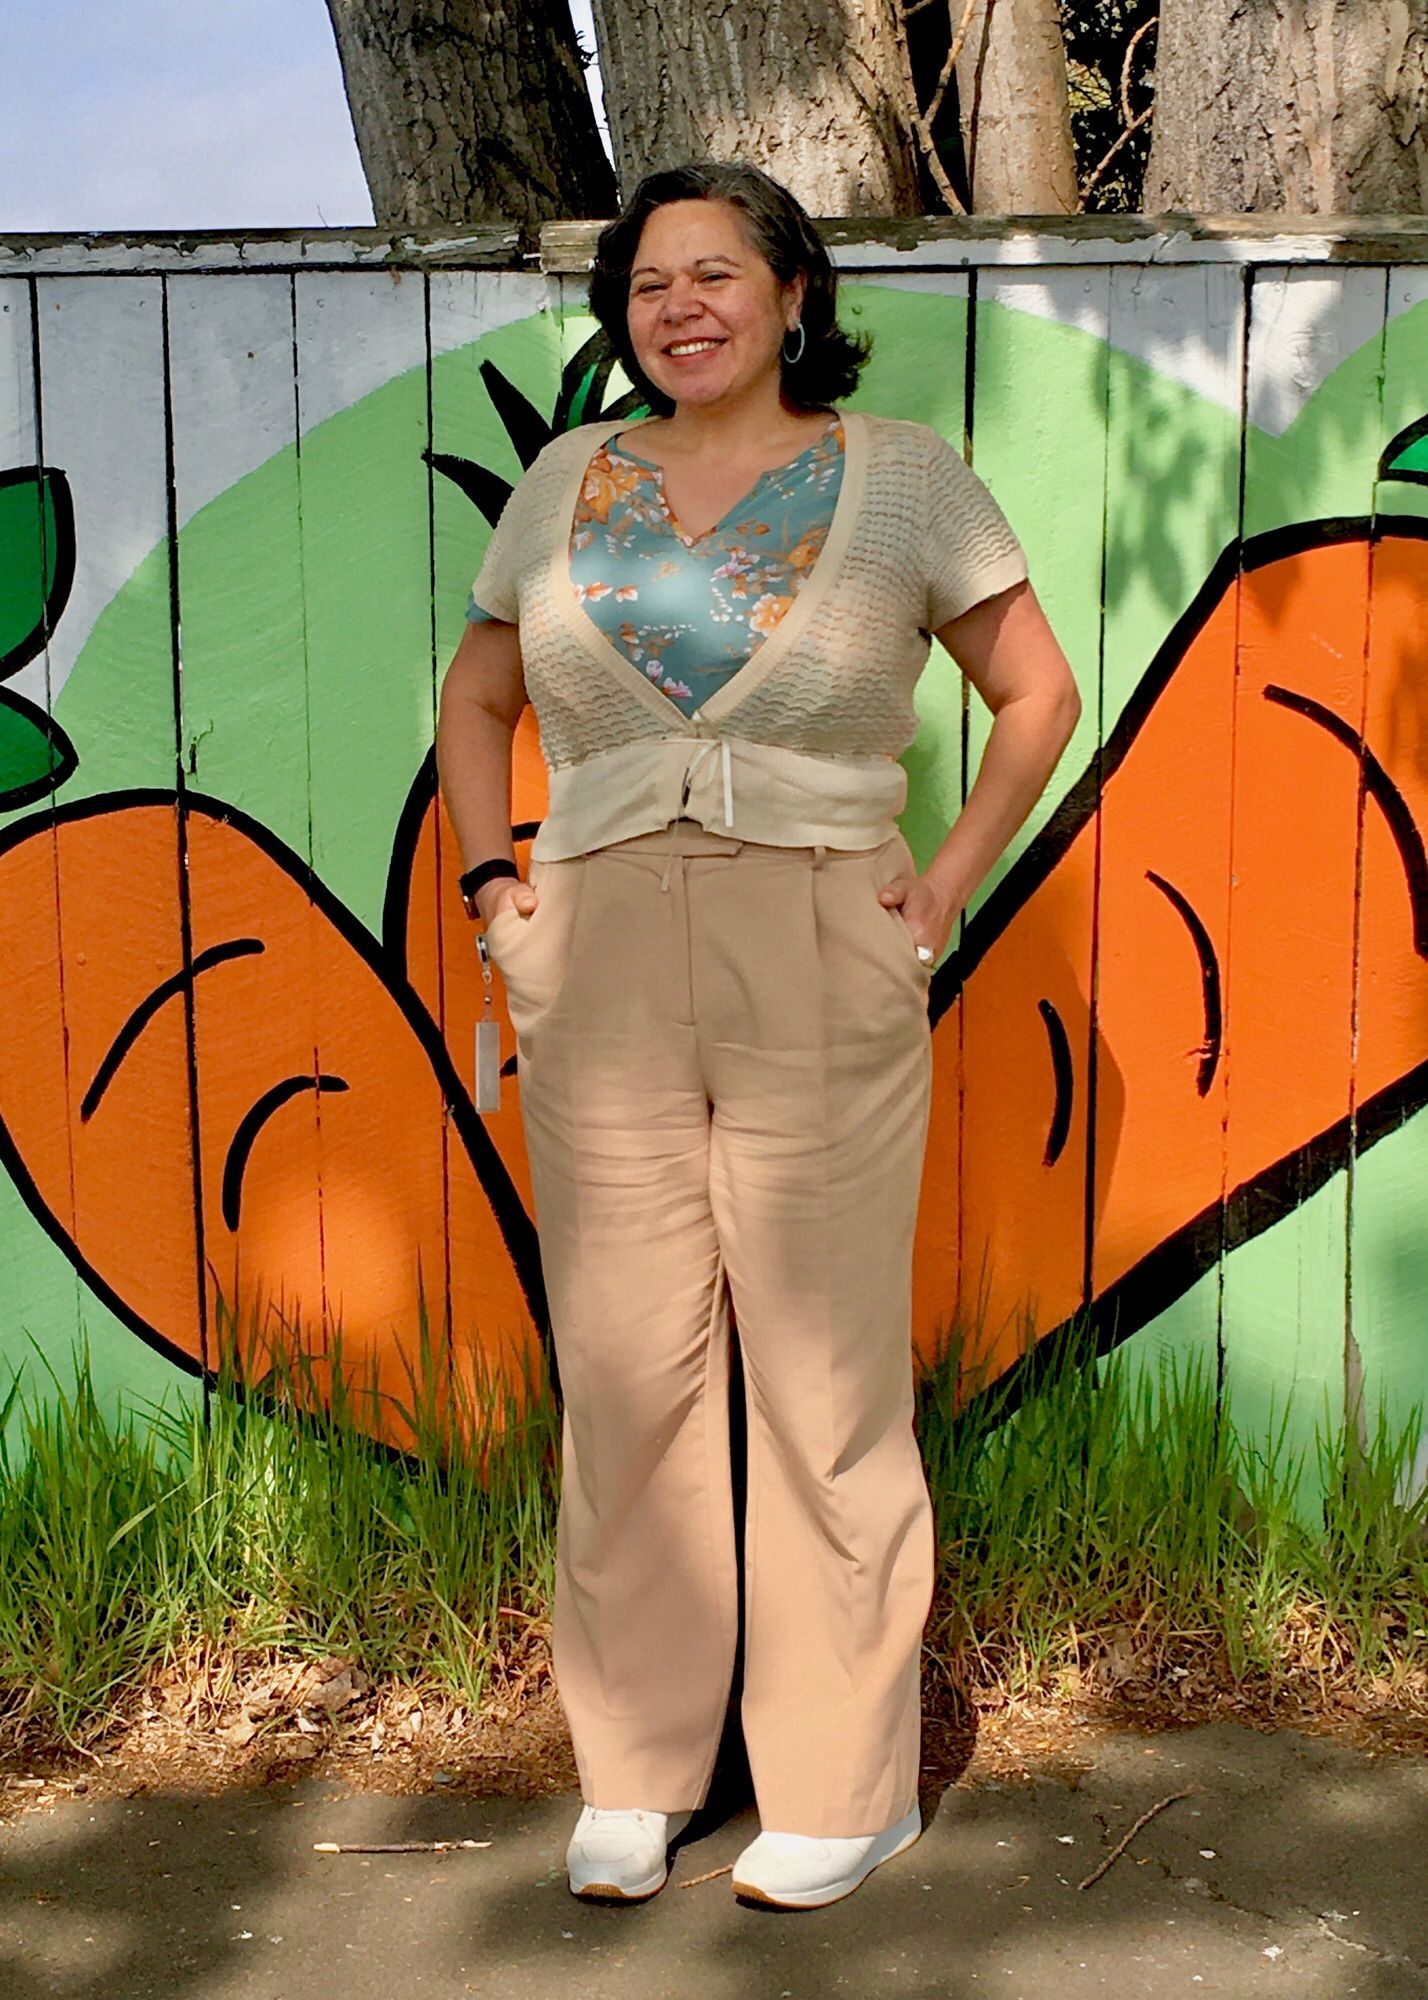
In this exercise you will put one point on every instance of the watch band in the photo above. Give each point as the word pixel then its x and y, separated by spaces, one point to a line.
pixel 485 871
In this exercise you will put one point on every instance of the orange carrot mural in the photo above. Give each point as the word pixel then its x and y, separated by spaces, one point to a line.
pixel 1194 996
pixel 233 1096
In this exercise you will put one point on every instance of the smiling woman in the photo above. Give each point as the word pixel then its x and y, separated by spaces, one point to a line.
pixel 719 972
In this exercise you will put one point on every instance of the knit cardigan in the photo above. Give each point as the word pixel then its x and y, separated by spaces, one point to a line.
pixel 800 745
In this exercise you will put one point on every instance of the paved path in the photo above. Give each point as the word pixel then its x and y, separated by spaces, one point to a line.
pixel 1298 1868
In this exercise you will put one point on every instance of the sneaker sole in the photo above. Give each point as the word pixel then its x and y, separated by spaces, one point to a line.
pixel 834 1892
pixel 612 1892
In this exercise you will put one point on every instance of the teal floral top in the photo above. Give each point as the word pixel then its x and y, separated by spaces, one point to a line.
pixel 689 610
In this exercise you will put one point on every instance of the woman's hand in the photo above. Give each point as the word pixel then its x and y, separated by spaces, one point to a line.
pixel 927 913
pixel 503 890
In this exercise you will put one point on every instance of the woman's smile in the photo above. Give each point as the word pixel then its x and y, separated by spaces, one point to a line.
pixel 692 350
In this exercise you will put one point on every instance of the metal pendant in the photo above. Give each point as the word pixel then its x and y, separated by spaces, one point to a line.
pixel 488 1041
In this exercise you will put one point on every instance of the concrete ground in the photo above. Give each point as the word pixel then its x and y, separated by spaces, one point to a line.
pixel 1296 1867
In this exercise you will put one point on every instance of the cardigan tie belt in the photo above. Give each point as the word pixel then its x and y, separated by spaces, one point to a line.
pixel 840 802
pixel 720 743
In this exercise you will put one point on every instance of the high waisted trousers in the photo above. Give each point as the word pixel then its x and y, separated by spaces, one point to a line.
pixel 724 1061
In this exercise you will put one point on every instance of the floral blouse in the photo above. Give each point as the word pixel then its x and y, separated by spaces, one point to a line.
pixel 688 611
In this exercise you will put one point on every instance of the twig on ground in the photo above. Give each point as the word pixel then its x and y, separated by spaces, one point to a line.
pixel 394 1846
pixel 1126 1838
pixel 695 1880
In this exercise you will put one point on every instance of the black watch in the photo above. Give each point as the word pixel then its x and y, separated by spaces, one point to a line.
pixel 485 871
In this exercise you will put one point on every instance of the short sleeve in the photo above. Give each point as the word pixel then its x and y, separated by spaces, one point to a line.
pixel 969 549
pixel 493 594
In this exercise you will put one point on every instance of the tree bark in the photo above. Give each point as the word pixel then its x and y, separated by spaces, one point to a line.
pixel 471 111
pixel 813 91
pixel 1311 107
pixel 1015 105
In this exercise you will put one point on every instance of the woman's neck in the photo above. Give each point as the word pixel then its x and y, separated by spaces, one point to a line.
pixel 749 429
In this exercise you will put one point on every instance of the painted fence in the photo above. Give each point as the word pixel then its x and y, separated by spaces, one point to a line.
pixel 1181 1043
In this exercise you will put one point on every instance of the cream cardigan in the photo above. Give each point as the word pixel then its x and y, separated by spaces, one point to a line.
pixel 800 745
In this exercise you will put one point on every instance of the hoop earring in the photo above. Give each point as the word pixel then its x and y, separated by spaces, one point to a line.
pixel 802 333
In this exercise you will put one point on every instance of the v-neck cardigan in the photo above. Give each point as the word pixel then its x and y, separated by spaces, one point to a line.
pixel 801 745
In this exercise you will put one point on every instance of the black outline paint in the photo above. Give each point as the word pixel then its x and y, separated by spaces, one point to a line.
pixel 139 1019
pixel 1385 795
pixel 1404 440
pixel 240 1146
pixel 1063 1073
pixel 1210 990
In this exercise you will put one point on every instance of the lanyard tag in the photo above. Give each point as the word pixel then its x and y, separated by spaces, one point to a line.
pixel 488 1042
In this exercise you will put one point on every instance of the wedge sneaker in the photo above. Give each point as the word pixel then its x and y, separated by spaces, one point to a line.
pixel 798 1871
pixel 622 1853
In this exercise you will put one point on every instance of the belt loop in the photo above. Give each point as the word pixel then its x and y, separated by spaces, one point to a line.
pixel 664 879
pixel 818 853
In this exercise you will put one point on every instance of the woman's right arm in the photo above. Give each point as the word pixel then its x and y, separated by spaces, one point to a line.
pixel 482 697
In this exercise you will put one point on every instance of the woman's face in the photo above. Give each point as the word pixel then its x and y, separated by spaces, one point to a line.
pixel 706 313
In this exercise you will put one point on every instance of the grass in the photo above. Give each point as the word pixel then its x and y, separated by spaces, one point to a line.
pixel 1110 1527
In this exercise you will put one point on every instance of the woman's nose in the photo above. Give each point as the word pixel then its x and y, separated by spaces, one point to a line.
pixel 679 302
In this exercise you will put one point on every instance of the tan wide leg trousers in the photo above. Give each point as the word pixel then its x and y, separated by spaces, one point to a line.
pixel 724 1057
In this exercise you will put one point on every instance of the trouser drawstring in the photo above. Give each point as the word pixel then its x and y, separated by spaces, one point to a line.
pixel 664 879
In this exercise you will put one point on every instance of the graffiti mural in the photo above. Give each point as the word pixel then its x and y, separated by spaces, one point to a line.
pixel 1180 1043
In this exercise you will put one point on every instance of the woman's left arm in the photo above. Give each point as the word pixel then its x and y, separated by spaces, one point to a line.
pixel 1009 652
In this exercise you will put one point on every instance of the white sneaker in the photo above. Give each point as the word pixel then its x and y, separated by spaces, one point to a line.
pixel 621 1852
pixel 797 1871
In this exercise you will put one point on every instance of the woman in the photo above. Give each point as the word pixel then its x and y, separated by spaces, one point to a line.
pixel 718 975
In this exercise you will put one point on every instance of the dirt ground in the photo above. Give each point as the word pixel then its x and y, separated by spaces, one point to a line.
pixel 212 1724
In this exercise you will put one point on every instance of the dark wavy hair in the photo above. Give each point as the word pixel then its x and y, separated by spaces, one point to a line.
pixel 780 230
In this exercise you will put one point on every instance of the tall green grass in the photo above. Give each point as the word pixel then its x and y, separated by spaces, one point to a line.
pixel 1112 1511
pixel 1115 1506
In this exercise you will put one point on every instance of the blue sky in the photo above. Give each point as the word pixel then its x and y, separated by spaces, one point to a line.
pixel 176 114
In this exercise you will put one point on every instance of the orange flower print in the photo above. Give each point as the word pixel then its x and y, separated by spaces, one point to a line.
pixel 626 593
pixel 805 554
pixel 767 613
pixel 588 592
pixel 604 484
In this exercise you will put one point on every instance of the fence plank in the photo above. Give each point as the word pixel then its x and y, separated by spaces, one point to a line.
pixel 1164 866
pixel 1386 1261
pixel 1038 430
pixel 244 741
pixel 40 1289
pixel 1303 635
pixel 126 1082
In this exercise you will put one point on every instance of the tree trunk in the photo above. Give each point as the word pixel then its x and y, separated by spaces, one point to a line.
pixel 471 111
pixel 813 91
pixel 1311 107
pixel 1015 104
